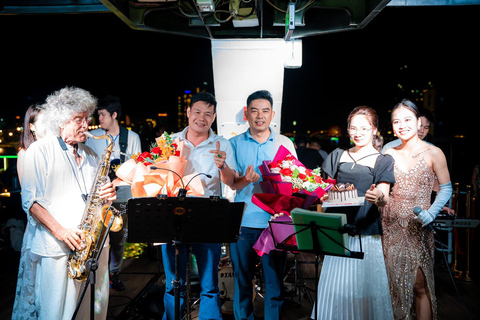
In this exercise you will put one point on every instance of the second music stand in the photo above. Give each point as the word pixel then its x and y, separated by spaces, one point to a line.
pixel 315 234
pixel 183 220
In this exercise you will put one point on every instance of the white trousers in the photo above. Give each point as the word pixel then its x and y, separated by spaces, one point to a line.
pixel 56 295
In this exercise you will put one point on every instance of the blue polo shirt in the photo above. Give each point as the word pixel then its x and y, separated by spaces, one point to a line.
pixel 248 151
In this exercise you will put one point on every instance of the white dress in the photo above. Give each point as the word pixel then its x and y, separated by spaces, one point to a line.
pixel 355 289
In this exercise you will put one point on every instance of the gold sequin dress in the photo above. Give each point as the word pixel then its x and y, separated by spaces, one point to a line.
pixel 408 246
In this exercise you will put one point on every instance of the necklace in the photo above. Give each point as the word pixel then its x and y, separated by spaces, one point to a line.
pixel 355 161
pixel 64 147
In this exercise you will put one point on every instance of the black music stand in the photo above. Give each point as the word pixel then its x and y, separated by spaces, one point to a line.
pixel 315 232
pixel 183 220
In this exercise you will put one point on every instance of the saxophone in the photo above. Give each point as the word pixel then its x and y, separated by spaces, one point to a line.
pixel 96 218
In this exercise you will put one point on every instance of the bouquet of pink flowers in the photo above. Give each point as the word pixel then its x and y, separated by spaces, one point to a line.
pixel 287 184
pixel 286 175
pixel 300 177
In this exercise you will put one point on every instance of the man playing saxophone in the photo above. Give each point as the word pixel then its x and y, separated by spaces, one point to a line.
pixel 58 174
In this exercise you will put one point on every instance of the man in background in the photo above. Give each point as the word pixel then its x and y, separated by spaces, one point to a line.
pixel 309 157
pixel 315 143
pixel 126 143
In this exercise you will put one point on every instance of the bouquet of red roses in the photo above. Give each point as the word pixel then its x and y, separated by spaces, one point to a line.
pixel 285 174
pixel 285 179
pixel 160 151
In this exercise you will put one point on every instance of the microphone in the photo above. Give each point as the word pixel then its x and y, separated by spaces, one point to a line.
pixel 198 174
pixel 417 211
pixel 183 191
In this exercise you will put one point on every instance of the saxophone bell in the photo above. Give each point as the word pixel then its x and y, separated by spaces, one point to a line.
pixel 117 224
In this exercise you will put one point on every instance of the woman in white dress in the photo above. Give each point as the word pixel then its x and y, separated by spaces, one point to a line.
pixel 351 288
pixel 33 129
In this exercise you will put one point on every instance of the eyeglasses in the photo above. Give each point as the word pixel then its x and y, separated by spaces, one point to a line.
pixel 353 130
pixel 80 121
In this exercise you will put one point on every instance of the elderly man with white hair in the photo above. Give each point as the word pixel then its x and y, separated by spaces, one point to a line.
pixel 58 173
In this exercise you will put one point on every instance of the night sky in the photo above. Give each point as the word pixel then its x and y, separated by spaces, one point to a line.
pixel 98 52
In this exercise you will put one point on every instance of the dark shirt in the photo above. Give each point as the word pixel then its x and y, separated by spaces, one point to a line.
pixel 366 218
pixel 310 158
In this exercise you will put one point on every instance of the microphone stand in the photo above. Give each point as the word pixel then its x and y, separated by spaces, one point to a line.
pixel 92 265
pixel 182 193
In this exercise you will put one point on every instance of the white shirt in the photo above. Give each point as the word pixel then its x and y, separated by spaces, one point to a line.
pixel 395 143
pixel 200 160
pixel 391 144
pixel 99 145
pixel 52 178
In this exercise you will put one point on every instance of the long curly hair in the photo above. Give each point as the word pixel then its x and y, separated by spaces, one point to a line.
pixel 61 105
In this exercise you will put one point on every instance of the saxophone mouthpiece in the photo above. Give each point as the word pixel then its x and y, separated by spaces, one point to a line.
pixel 88 134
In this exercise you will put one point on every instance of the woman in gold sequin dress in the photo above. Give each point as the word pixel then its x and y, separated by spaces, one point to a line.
pixel 408 242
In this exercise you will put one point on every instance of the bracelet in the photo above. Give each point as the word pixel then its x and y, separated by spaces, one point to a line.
pixel 223 167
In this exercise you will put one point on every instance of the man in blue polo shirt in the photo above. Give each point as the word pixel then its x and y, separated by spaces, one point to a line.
pixel 213 155
pixel 250 148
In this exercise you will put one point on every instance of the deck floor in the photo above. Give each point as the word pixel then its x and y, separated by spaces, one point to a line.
pixel 144 280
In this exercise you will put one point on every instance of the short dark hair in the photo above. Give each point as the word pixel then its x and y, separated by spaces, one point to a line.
pixel 260 94
pixel 205 97
pixel 301 140
pixel 423 112
pixel 315 139
pixel 111 104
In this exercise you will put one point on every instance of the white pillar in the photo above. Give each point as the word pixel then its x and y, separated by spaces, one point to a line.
pixel 243 66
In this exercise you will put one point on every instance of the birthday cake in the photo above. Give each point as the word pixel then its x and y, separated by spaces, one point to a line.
pixel 343 193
